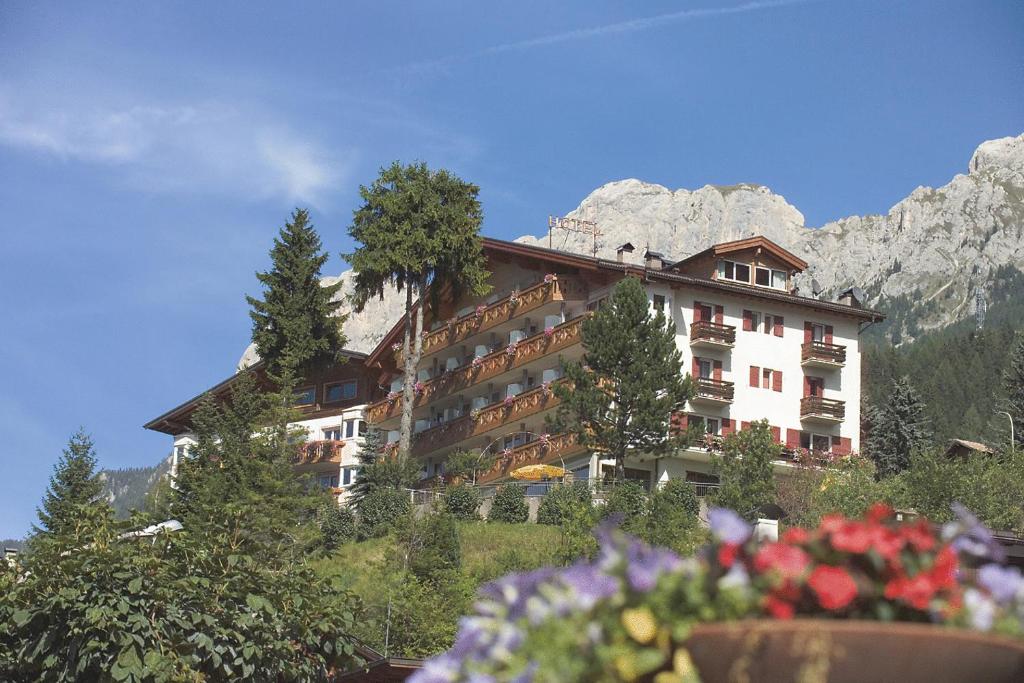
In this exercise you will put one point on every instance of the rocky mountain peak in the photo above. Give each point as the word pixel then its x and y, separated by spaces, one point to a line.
pixel 1003 154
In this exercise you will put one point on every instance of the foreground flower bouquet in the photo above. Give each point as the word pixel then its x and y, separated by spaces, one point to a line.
pixel 858 600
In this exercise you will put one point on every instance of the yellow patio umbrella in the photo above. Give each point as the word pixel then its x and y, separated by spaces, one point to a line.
pixel 534 472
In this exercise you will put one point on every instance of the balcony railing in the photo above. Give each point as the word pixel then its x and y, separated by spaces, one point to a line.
pixel 713 334
pixel 313 452
pixel 703 489
pixel 510 410
pixel 553 449
pixel 483 368
pixel 820 353
pixel 824 409
pixel 486 316
pixel 709 389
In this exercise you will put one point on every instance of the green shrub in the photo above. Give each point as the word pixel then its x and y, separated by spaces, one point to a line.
pixel 677 493
pixel 671 520
pixel 509 505
pixel 381 509
pixel 337 524
pixel 628 500
pixel 431 545
pixel 463 501
pixel 561 500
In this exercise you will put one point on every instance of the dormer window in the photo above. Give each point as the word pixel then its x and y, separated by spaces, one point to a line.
pixel 731 270
pixel 768 277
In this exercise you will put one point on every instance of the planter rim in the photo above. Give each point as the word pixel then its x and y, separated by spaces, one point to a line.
pixel 909 628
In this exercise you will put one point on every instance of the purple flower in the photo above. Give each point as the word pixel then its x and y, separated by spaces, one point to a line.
pixel 512 591
pixel 645 565
pixel 728 527
pixel 980 608
pixel 970 537
pixel 441 669
pixel 1002 583
pixel 589 584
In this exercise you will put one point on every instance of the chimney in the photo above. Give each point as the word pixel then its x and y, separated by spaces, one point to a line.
pixel 852 297
pixel 626 248
pixel 652 260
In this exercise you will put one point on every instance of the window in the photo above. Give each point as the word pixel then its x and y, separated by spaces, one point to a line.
pixel 768 277
pixel 708 425
pixel 816 442
pixel 348 475
pixel 779 279
pixel 705 368
pixel 345 391
pixel 769 323
pixel 659 302
pixel 350 428
pixel 766 379
pixel 327 481
pixel 755 320
pixel 305 397
pixel 730 270
pixel 360 428
pixel 818 333
pixel 332 433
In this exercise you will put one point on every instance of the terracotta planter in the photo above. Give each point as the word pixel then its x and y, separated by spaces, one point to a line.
pixel 820 651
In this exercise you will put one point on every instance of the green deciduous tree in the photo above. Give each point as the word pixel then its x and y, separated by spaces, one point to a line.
pixel 418 230
pixel 509 505
pixel 296 324
pixel 73 484
pixel 898 428
pixel 745 470
pixel 621 396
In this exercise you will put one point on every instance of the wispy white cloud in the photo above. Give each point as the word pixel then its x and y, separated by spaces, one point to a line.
pixel 629 26
pixel 206 147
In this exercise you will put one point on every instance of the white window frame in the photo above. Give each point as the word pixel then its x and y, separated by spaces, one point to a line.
pixel 785 279
pixel 707 422
pixel 725 265
pixel 351 429
pixel 710 366
pixel 811 438
pixel 328 430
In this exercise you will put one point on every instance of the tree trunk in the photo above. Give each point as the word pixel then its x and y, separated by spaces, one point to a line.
pixel 412 351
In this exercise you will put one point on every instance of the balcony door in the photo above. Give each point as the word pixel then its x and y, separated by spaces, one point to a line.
pixel 815 386
pixel 818 333
pixel 703 313
pixel 705 368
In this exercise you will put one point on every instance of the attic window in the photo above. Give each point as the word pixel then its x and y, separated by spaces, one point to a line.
pixel 737 272
pixel 767 277
pixel 305 397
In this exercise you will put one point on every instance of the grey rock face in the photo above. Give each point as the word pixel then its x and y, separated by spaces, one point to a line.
pixel 935 245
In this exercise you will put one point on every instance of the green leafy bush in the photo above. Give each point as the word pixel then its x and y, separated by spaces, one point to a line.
pixel 381 509
pixel 561 500
pixel 671 518
pixel 628 500
pixel 337 524
pixel 431 545
pixel 463 501
pixel 509 505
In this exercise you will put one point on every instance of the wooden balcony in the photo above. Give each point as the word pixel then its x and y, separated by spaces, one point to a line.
pixel 487 316
pixel 483 369
pixel 314 452
pixel 713 390
pixel 712 335
pixel 818 409
pixel 553 450
pixel 822 355
pixel 494 416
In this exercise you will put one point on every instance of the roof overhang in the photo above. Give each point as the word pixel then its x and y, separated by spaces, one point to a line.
pixel 758 242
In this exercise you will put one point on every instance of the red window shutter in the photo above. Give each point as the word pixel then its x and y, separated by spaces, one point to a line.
pixel 777 434
pixel 841 445
pixel 828 334
pixel 744 426
pixel 807 386
pixel 792 438
pixel 696 367
pixel 778 325
pixel 755 376
pixel 717 370
pixel 698 312
pixel 777 380
pixel 728 426
pixel 808 331
pixel 719 314
pixel 748 321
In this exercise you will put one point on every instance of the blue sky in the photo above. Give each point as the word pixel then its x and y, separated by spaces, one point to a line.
pixel 150 151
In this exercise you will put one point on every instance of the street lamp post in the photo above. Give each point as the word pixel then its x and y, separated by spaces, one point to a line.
pixel 1013 441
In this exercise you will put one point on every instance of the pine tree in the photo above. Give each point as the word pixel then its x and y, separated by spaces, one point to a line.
pixel 74 484
pixel 620 398
pixel 898 428
pixel 378 470
pixel 418 231
pixel 1013 386
pixel 296 324
pixel 746 471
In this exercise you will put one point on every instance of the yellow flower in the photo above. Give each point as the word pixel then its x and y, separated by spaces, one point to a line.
pixel 640 624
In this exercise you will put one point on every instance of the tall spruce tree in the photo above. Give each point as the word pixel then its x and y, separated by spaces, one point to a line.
pixel 621 396
pixel 296 323
pixel 377 471
pixel 898 428
pixel 1013 387
pixel 74 484
pixel 418 231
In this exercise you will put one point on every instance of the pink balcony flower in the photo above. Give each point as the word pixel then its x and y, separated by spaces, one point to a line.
pixel 509 400
pixel 549 278
pixel 392 396
pixel 396 346
pixel 480 310
pixel 513 298
pixel 477 362
pixel 418 387
pixel 548 331
pixel 545 439
pixel 507 453
pixel 510 350
pixel 545 387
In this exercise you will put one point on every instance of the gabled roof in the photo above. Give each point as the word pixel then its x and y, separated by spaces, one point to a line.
pixel 756 242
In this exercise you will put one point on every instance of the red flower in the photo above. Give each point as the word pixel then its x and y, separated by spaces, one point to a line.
pixel 916 592
pixel 727 554
pixel 833 586
pixel 831 523
pixel 886 542
pixel 918 535
pixel 787 560
pixel 943 572
pixel 852 537
pixel 879 512
pixel 795 536
pixel 779 609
